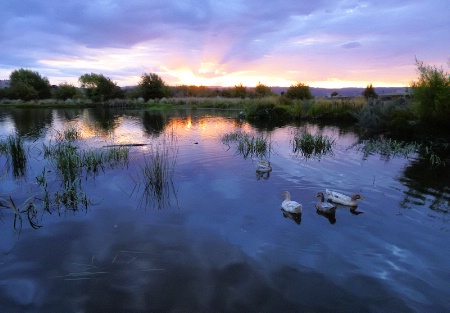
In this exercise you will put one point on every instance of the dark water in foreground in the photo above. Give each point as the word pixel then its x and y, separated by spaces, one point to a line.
pixel 218 241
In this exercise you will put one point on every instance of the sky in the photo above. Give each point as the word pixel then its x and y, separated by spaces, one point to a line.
pixel 321 43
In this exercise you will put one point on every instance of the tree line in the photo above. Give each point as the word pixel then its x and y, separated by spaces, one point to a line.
pixel 431 91
pixel 28 85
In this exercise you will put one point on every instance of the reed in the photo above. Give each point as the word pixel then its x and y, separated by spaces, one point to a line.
pixel 70 134
pixel 71 161
pixel 26 207
pixel 308 145
pixel 3 147
pixel 68 161
pixel 157 171
pixel 117 156
pixel 43 184
pixel 335 109
pixel 389 148
pixel 71 196
pixel 249 145
pixel 92 161
pixel 14 150
pixel 435 152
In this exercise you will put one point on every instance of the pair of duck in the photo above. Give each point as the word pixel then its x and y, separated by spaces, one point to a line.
pixel 322 206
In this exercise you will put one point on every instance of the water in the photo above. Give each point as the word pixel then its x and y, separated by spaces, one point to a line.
pixel 219 242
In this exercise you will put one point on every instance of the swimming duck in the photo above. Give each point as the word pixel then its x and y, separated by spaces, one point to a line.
pixel 322 206
pixel 263 166
pixel 343 199
pixel 289 205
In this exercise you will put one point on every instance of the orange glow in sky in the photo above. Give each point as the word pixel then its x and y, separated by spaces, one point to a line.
pixel 331 44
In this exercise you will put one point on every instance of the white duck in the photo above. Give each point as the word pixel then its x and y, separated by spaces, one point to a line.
pixel 340 198
pixel 289 205
pixel 263 166
pixel 322 206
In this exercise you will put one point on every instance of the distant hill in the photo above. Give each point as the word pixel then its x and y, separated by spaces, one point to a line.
pixel 4 83
pixel 345 92
pixel 326 92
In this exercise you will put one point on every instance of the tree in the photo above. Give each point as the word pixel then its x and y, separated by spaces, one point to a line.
pixel 334 94
pixel 262 90
pixel 28 85
pixel 299 91
pixel 66 91
pixel 22 91
pixel 152 87
pixel 431 94
pixel 240 91
pixel 369 92
pixel 99 87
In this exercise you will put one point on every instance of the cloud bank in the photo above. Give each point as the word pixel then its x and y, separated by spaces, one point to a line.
pixel 225 42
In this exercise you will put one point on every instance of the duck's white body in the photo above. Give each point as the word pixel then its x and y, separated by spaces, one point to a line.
pixel 340 198
pixel 263 166
pixel 289 205
pixel 322 206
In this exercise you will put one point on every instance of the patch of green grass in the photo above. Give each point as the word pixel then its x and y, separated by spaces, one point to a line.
pixel 249 145
pixel 157 173
pixel 71 196
pixel 14 150
pixel 308 145
pixel 389 148
pixel 335 109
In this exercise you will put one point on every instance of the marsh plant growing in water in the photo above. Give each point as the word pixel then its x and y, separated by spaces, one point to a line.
pixel 157 173
pixel 61 182
pixel 389 148
pixel 308 145
pixel 14 150
pixel 249 145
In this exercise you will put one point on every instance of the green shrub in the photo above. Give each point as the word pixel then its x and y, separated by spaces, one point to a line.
pixel 401 123
pixel 299 91
pixel 369 92
pixel 431 94
pixel 338 110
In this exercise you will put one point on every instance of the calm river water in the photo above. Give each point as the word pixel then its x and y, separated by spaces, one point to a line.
pixel 214 239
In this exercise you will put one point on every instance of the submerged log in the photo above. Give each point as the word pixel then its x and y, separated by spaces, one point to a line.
pixel 127 145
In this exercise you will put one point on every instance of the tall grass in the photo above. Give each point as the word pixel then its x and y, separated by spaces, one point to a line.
pixel 72 163
pixel 14 150
pixel 70 134
pixel 27 208
pixel 308 145
pixel 335 109
pixel 390 148
pixel 249 145
pixel 157 173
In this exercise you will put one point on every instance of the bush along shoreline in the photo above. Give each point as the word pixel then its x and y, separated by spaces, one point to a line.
pixel 419 115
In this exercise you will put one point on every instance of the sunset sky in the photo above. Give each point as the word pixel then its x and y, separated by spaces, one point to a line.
pixel 322 43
